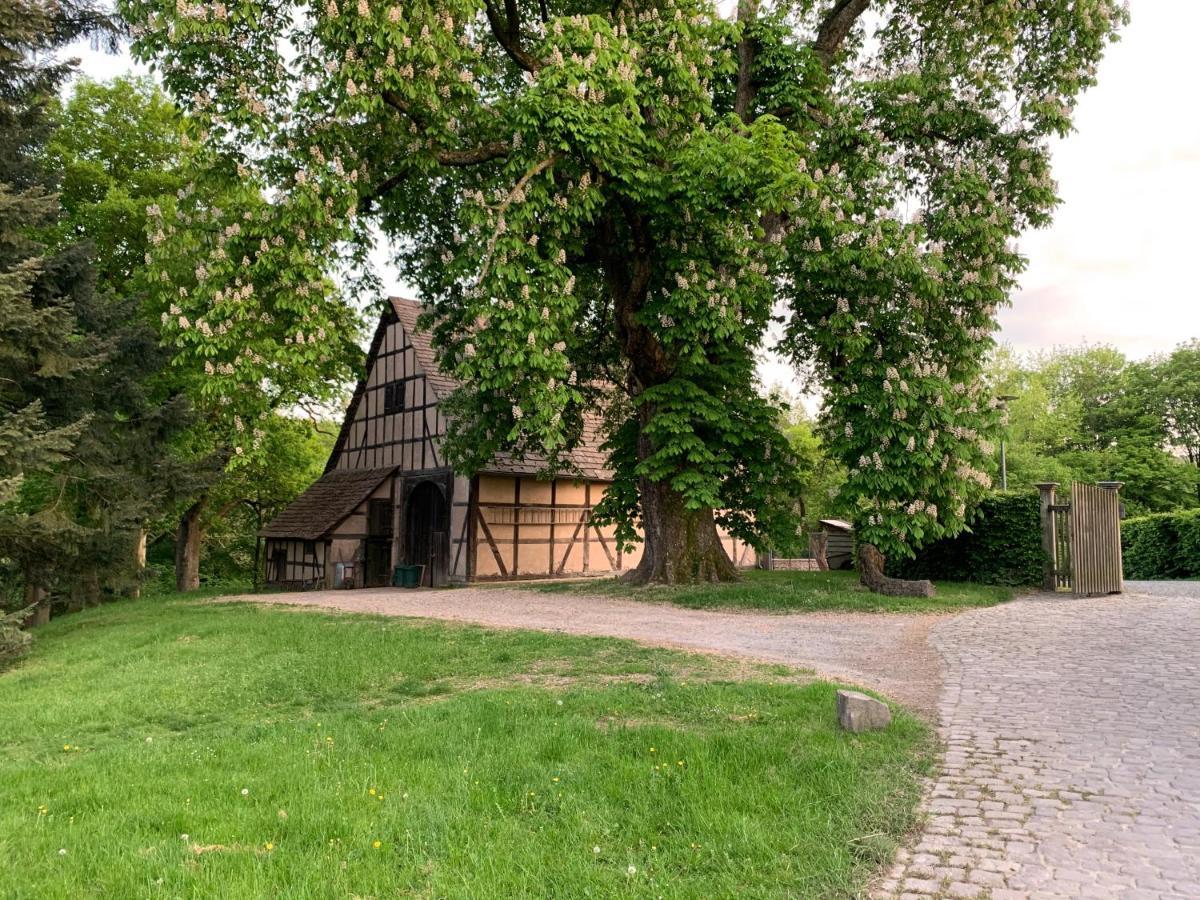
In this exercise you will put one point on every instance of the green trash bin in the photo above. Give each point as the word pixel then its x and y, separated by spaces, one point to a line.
pixel 407 576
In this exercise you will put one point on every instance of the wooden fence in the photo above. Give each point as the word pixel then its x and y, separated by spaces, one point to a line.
pixel 1082 539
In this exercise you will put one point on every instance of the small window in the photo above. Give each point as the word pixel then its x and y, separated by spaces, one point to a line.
pixel 393 398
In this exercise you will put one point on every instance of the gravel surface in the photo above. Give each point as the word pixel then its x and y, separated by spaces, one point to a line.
pixel 1188 590
pixel 884 651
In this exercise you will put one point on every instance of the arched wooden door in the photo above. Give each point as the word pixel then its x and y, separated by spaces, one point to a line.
pixel 426 529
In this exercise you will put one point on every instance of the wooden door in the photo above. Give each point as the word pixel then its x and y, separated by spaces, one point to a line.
pixel 1095 541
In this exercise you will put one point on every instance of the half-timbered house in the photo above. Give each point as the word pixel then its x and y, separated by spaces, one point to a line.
pixel 389 497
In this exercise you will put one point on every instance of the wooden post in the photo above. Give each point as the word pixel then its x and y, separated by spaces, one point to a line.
pixel 1118 566
pixel 1049 563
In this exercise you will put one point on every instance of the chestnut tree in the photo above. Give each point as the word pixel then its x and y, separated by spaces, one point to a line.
pixel 606 203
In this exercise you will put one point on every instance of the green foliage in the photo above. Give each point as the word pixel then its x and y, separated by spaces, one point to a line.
pixel 1002 545
pixel 1089 414
pixel 1162 546
pixel 14 640
pixel 821 477
pixel 601 197
pixel 1175 385
pixel 44 291
pixel 484 763
pixel 294 453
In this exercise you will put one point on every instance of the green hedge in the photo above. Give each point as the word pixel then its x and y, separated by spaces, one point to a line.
pixel 1004 546
pixel 1163 545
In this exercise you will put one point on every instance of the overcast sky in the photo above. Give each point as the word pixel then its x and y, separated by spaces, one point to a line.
pixel 1118 265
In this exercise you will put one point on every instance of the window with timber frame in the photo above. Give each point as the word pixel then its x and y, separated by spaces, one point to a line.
pixel 393 398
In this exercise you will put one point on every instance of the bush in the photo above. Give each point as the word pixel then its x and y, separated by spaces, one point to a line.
pixel 14 641
pixel 1003 546
pixel 1163 545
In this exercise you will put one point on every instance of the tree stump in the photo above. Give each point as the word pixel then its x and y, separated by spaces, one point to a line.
pixel 871 563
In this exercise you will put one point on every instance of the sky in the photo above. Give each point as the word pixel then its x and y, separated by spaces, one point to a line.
pixel 1118 265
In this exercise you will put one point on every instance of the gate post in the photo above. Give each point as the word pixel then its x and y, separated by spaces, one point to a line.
pixel 1049 563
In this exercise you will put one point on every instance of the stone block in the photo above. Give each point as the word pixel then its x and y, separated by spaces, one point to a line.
pixel 857 712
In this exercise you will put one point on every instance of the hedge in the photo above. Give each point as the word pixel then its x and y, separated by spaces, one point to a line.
pixel 1003 546
pixel 1162 545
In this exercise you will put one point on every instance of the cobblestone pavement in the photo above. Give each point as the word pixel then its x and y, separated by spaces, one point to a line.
pixel 1072 730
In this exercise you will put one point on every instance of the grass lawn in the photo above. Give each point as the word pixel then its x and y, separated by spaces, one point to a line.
pixel 184 749
pixel 791 592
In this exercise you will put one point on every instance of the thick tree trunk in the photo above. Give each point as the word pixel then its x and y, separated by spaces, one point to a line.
pixel 818 543
pixel 187 548
pixel 871 563
pixel 36 597
pixel 679 545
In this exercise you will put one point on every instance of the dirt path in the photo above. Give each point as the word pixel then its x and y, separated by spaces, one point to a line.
pixel 886 652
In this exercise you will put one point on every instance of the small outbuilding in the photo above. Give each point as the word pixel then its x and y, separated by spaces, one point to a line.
pixel 839 549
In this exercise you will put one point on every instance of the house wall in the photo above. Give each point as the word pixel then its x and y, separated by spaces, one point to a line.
pixel 500 526
pixel 304 563
pixel 529 528
pixel 409 438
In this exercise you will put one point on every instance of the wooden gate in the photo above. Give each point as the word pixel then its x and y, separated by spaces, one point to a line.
pixel 1082 539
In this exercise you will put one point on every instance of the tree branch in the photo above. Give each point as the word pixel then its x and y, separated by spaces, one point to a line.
pixel 743 100
pixel 534 170
pixel 472 156
pixel 836 25
pixel 507 31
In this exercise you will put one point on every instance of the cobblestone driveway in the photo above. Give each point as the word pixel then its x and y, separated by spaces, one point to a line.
pixel 1073 752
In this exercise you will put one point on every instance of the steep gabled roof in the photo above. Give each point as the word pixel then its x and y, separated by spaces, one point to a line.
pixel 588 458
pixel 326 503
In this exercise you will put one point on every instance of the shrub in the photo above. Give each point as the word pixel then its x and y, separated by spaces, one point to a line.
pixel 1162 545
pixel 1003 546
pixel 14 640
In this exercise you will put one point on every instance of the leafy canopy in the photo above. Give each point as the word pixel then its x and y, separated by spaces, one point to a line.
pixel 618 196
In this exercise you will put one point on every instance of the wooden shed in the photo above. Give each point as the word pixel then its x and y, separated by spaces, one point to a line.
pixel 839 551
pixel 389 497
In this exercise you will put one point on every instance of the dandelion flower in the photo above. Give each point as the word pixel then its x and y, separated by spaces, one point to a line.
pixel 183 837
pixel 596 850
pixel 269 846
pixel 62 851
pixel 377 844
pixel 371 791
pixel 631 871
pixel 245 792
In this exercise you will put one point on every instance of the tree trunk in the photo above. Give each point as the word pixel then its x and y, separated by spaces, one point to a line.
pixel 139 564
pixel 35 596
pixel 679 545
pixel 89 587
pixel 818 543
pixel 187 548
pixel 871 563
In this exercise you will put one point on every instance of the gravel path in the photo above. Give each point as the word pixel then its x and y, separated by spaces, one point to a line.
pixel 886 652
pixel 1073 751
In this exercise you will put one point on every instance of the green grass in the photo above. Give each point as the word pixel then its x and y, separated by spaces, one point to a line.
pixel 239 751
pixel 790 592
